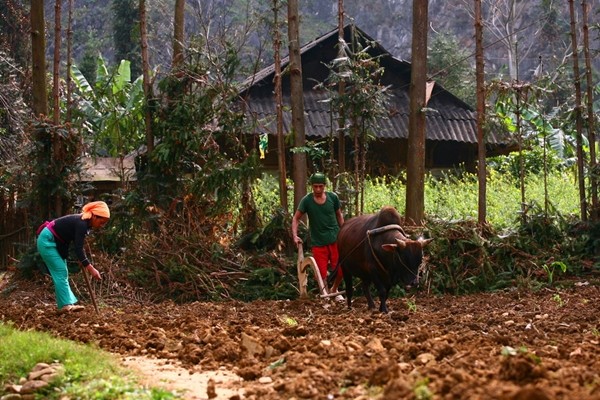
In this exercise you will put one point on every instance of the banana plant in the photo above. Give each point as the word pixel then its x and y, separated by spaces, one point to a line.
pixel 110 113
pixel 546 129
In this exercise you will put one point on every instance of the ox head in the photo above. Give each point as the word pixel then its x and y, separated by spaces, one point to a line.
pixel 409 254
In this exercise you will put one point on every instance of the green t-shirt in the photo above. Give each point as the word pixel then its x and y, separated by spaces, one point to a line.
pixel 322 220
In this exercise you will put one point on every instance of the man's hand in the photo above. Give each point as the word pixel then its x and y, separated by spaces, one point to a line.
pixel 94 272
pixel 297 240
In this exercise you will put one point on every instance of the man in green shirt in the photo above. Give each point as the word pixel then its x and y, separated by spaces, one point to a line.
pixel 324 221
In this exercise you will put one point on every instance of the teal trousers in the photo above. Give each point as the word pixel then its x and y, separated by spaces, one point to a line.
pixel 57 266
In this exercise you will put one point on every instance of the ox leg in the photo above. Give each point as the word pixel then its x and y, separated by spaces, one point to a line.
pixel 366 285
pixel 349 288
pixel 382 292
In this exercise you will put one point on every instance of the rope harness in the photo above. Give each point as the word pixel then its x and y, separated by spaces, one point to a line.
pixel 381 230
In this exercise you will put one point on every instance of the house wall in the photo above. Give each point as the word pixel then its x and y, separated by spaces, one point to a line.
pixel 388 156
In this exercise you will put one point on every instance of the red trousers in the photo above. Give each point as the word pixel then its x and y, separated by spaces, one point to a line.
pixel 324 256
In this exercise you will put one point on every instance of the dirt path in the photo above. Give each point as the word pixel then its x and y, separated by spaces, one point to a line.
pixel 190 383
pixel 504 345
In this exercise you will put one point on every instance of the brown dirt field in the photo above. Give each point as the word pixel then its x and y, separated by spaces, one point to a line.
pixel 504 345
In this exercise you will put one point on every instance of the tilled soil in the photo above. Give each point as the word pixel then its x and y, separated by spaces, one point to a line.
pixel 504 345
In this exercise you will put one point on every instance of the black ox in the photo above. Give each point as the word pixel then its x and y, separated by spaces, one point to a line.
pixel 375 249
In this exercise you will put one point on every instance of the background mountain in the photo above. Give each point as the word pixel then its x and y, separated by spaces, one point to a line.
pixel 542 27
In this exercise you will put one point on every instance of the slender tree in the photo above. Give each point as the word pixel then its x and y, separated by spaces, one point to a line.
pixel 40 106
pixel 56 141
pixel 578 117
pixel 591 115
pixel 365 101
pixel 480 78
pixel 146 77
pixel 69 81
pixel 297 101
pixel 341 89
pixel 415 185
pixel 38 58
pixel 56 65
pixel 178 33
pixel 279 107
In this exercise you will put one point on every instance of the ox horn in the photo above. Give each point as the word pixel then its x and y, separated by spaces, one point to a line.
pixel 425 242
pixel 401 243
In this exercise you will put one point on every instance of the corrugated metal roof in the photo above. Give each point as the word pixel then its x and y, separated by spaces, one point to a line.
pixel 448 118
pixel 443 120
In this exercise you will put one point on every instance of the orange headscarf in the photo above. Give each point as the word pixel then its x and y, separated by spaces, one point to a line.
pixel 98 208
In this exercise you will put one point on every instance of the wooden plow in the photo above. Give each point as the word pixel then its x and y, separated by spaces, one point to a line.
pixel 303 266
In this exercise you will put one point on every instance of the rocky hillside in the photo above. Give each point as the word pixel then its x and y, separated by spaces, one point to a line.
pixel 541 31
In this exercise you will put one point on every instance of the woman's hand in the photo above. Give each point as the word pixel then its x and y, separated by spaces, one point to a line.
pixel 94 272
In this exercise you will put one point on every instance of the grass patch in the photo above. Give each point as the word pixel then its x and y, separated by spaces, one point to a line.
pixel 89 373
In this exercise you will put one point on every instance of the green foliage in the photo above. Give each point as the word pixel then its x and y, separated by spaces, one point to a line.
pixel 422 391
pixel 316 153
pixel 449 196
pixel 509 351
pixel 198 150
pixel 110 110
pixel 448 64
pixel 126 33
pixel 273 236
pixel 520 110
pixel 88 67
pixel 465 258
pixel 455 197
pixel 265 191
pixel 534 162
pixel 411 305
pixel 461 259
pixel 364 97
pixel 362 104
pixel 267 284
pixel 558 300
pixel 552 267
pixel 55 151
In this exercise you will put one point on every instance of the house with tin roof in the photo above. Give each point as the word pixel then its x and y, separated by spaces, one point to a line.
pixel 451 129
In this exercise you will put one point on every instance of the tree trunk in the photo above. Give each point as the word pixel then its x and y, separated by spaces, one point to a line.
pixel 518 90
pixel 415 185
pixel 590 112
pixel 69 82
pixel 40 99
pixel 178 33
pixel 357 183
pixel 297 102
pixel 146 76
pixel 480 78
pixel 341 90
pixel 56 140
pixel 56 64
pixel 279 106
pixel 513 61
pixel 578 117
pixel 38 59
